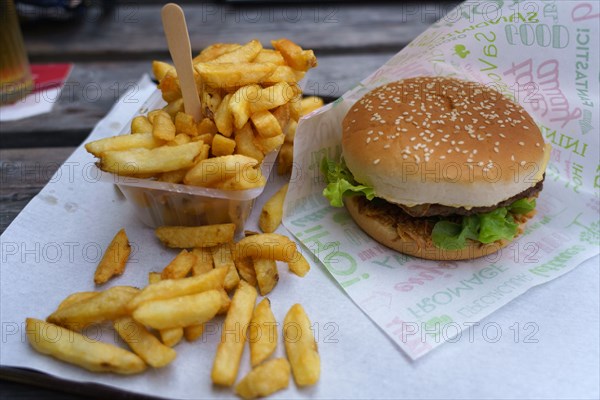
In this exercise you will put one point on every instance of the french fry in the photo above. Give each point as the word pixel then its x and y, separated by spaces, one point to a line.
pixel 215 50
pixel 114 260
pixel 193 332
pixel 267 145
pixel 160 69
pixel 233 336
pixel 211 171
pixel 145 161
pixel 207 126
pixel 301 347
pixel 184 123
pixel 187 237
pixel 123 142
pixel 169 87
pixel 141 124
pixel 224 117
pixel 179 139
pixel 271 246
pixel 298 265
pixel 266 379
pixel 290 135
pixel 272 96
pixel 106 306
pixel 179 312
pixel 79 350
pixel 244 143
pixel 222 259
pixel 250 178
pixel 204 261
pixel 172 108
pixel 210 98
pixel 285 159
pixel 243 54
pixel 170 337
pixel 163 127
pixel 294 55
pixel 173 176
pixel 180 266
pixel 171 288
pixel 266 124
pixel 76 298
pixel 222 146
pixel 262 333
pixel 225 302
pixel 269 56
pixel 272 212
pixel 282 114
pixel 239 104
pixel 245 267
pixel 282 73
pixel 143 343
pixel 233 75
pixel 310 104
pixel 266 275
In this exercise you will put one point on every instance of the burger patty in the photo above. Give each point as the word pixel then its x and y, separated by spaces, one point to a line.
pixel 430 210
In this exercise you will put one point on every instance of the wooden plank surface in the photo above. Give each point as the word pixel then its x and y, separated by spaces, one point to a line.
pixel 133 31
pixel 93 88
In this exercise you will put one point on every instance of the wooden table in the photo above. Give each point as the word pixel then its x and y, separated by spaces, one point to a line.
pixel 110 52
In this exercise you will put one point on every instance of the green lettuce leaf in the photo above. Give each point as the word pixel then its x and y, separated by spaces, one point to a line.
pixel 522 206
pixel 340 183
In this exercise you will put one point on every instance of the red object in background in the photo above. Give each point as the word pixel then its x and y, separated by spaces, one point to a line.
pixel 46 76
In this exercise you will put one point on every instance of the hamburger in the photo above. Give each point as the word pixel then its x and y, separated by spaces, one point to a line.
pixel 438 168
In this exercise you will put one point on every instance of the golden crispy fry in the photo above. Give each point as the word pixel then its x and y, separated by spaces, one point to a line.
pixel 249 178
pixel 282 114
pixel 269 56
pixel 204 261
pixel 215 50
pixel 163 127
pixel 233 75
pixel 290 135
pixel 79 350
pixel 285 159
pixel 141 124
pixel 203 154
pixel 179 312
pixel 214 170
pixel 144 161
pixel 143 343
pixel 301 347
pixel 310 104
pixel 180 266
pixel 272 212
pixel 152 114
pixel 210 98
pixel 222 146
pixel 272 96
pixel 184 123
pixel 294 55
pixel 244 142
pixel 296 106
pixel 267 145
pixel 282 73
pixel 298 265
pixel 114 260
pixel 169 337
pixel 76 298
pixel 123 142
pixel 266 124
pixel 262 333
pixel 106 306
pixel 243 54
pixel 266 275
pixel 193 332
pixel 173 176
pixel 245 267
pixel 169 86
pixel 225 302
pixel 270 246
pixel 222 259
pixel 187 237
pixel 224 117
pixel 180 138
pixel 239 104
pixel 266 379
pixel 173 108
pixel 160 69
pixel 233 336
pixel 207 126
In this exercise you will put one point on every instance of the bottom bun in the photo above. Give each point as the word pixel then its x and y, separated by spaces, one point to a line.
pixel 392 227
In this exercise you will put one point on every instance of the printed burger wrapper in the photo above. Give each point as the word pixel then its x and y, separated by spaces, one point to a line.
pixel 543 55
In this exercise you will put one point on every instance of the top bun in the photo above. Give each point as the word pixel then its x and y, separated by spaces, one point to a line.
pixel 442 141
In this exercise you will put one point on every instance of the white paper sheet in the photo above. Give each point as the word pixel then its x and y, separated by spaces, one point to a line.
pixel 538 53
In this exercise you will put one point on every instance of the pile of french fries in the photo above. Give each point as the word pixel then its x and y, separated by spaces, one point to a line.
pixel 250 106
pixel 177 303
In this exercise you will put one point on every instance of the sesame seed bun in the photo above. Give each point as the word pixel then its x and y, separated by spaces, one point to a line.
pixel 412 236
pixel 442 141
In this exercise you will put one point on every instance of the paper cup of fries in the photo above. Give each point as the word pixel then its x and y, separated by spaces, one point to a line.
pixel 176 170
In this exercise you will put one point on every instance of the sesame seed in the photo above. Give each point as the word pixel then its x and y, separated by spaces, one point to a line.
pixel 521 144
pixel 376 161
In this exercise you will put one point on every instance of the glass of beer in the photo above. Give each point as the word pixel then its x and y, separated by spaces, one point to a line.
pixel 15 75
